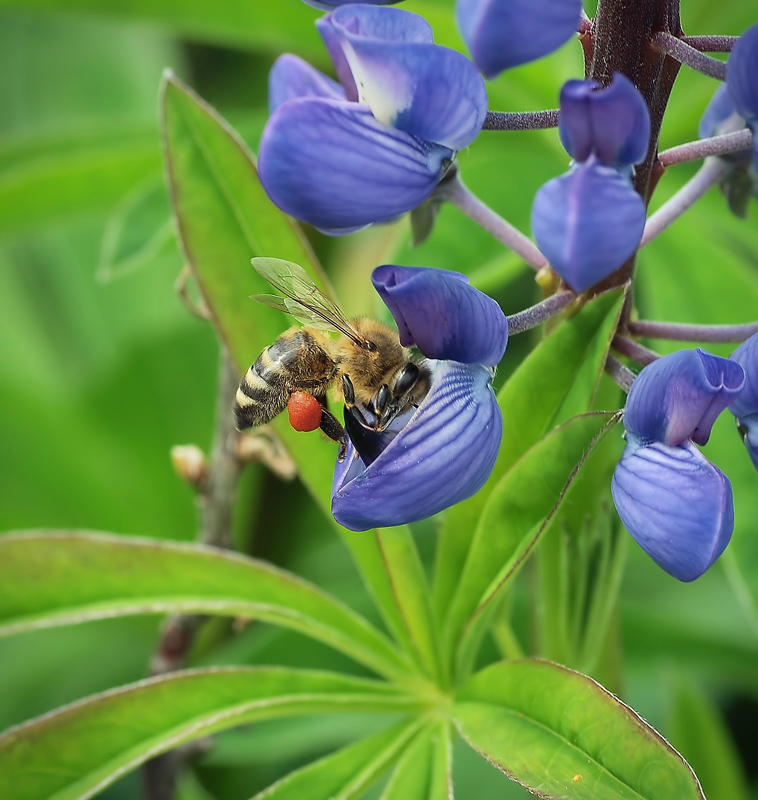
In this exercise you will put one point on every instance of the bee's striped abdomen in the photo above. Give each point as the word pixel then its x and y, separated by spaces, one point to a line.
pixel 294 361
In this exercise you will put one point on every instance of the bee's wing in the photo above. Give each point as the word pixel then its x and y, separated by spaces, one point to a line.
pixel 295 309
pixel 304 300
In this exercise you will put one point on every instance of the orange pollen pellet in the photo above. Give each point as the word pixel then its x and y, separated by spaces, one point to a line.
pixel 304 411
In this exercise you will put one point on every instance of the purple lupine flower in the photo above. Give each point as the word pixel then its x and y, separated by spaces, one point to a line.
pixel 742 81
pixel 745 406
pixel 505 33
pixel 672 500
pixel 343 156
pixel 328 5
pixel 741 181
pixel 589 221
pixel 446 450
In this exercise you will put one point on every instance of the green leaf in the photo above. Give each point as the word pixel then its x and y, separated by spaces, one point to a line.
pixel 425 770
pixel 535 399
pixel 346 773
pixel 57 579
pixel 564 736
pixel 517 511
pixel 224 219
pixel 698 730
pixel 79 749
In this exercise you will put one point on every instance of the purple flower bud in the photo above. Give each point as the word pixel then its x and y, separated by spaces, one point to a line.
pixel 443 455
pixel 440 313
pixel 676 505
pixel 588 222
pixel 679 396
pixel 611 123
pixel 343 160
pixel 741 182
pixel 742 74
pixel 716 113
pixel 505 33
pixel 742 81
pixel 445 450
pixel 745 406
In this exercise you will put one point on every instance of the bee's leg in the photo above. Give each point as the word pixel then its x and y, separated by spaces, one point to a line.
pixel 379 404
pixel 348 393
pixel 330 425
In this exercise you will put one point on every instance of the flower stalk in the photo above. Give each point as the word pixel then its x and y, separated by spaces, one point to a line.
pixel 457 193
pixel 541 312
pixel 688 55
pixel 682 332
pixel 712 171
pixel 520 120
pixel 703 148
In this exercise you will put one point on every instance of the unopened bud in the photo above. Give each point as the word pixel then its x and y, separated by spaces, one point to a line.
pixel 190 463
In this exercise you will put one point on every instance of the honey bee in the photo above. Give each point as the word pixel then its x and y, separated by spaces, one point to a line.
pixel 376 376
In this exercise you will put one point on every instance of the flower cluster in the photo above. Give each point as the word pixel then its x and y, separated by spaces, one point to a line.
pixel 674 502
pixel 590 220
pixel 376 144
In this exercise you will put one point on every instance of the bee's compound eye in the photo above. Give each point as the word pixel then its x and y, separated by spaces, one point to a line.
pixel 406 380
pixel 304 411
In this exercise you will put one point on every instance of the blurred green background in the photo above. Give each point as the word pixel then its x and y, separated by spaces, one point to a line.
pixel 102 369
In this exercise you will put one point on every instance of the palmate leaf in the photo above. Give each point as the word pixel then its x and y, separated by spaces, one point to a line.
pixel 56 579
pixel 564 736
pixel 542 392
pixel 224 219
pixel 76 751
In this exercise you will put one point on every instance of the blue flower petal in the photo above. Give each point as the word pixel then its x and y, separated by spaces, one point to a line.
pixel 746 355
pixel 331 164
pixel 745 406
pixel 440 313
pixel 291 77
pixel 613 123
pixel 748 428
pixel 431 92
pixel 675 503
pixel 742 74
pixel 717 112
pixel 441 457
pixel 328 5
pixel 505 33
pixel 387 24
pixel 384 24
pixel 679 396
pixel 587 222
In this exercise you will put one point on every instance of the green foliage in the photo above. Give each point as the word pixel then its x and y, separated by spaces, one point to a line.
pixel 102 371
pixel 557 730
